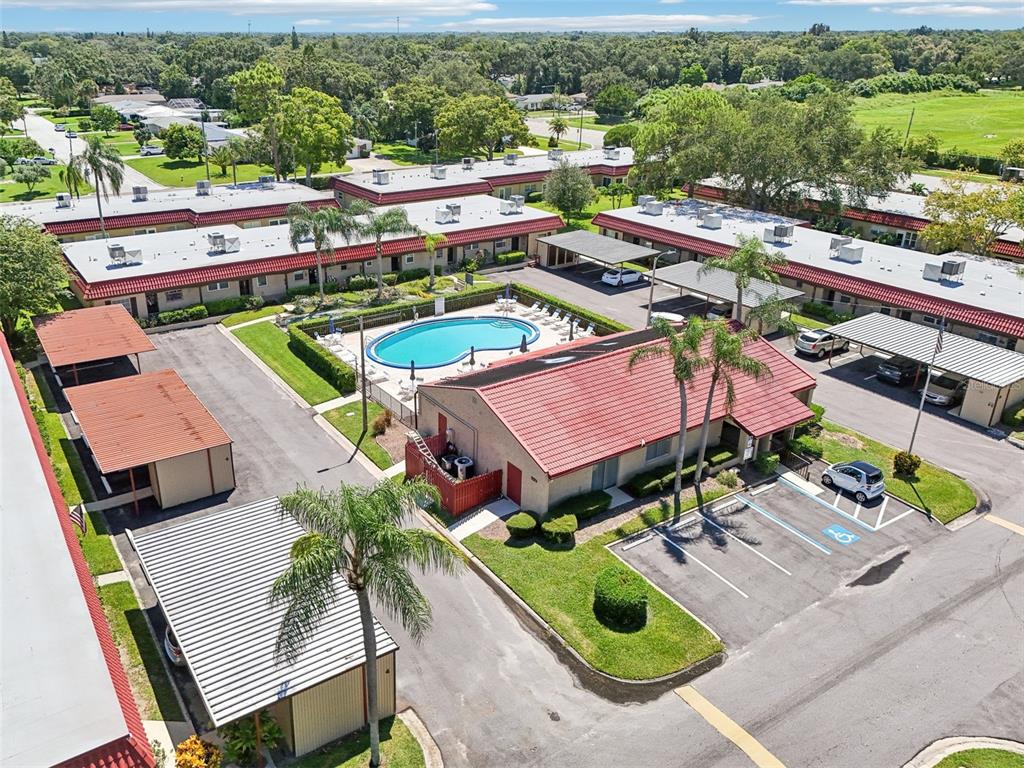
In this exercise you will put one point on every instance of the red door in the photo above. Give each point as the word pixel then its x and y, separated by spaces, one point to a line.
pixel 442 424
pixel 514 483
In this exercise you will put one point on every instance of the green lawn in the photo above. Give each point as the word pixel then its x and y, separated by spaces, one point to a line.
pixel 943 173
pixel 979 123
pixel 185 173
pixel 251 314
pixel 559 585
pixel 595 123
pixel 805 321
pixel 12 191
pixel 348 419
pixel 945 495
pixel 140 653
pixel 270 344
pixel 398 747
pixel 400 153
pixel 601 203
pixel 566 143
pixel 982 758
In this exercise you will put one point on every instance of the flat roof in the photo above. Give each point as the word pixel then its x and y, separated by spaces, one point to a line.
pixel 600 248
pixel 135 420
pixel 163 252
pixel 221 198
pixel 961 355
pixel 94 333
pixel 59 699
pixel 721 284
pixel 212 577
pixel 986 284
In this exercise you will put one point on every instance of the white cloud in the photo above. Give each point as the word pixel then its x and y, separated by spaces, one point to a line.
pixel 275 7
pixel 951 9
pixel 879 3
pixel 312 22
pixel 670 2
pixel 638 22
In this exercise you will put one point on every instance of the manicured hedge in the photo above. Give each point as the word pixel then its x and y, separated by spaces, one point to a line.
pixel 233 304
pixel 663 477
pixel 560 530
pixel 197 312
pixel 620 597
pixel 823 311
pixel 807 445
pixel 584 506
pixel 512 257
pixel 603 325
pixel 521 525
pixel 1014 417
pixel 767 463
pixel 322 362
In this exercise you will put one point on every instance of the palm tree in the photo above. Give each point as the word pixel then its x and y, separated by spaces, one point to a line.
pixel 377 223
pixel 222 156
pixel 72 177
pixel 236 147
pixel 364 121
pixel 750 261
pixel 107 169
pixel 725 357
pixel 558 127
pixel 355 534
pixel 683 346
pixel 431 242
pixel 305 225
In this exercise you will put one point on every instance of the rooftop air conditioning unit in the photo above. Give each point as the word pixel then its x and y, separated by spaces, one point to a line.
pixel 467 163
pixel 555 154
pixel 443 216
pixel 438 172
pixel 140 194
pixel 63 200
pixel 381 177
pixel 611 153
pixel 711 221
pixel 839 242
pixel 933 272
pixel 851 254
pixel 643 200
pixel 653 208
pixel 783 231
pixel 506 207
pixel 456 210
pixel 203 187
pixel 266 182
pixel 511 158
pixel 232 244
pixel 216 240
pixel 117 253
pixel 953 268
pixel 769 235
pixel 519 201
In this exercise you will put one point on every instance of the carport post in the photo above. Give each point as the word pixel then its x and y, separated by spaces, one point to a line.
pixel 650 293
pixel 831 350
pixel 131 479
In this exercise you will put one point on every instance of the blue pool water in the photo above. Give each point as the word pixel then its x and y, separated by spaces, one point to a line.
pixel 433 343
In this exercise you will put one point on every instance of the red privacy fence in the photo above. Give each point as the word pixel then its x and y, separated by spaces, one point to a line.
pixel 457 496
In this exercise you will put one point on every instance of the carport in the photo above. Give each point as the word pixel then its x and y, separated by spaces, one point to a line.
pixel 720 284
pixel 569 248
pixel 995 376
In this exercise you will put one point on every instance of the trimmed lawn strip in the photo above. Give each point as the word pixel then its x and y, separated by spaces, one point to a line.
pixel 398 749
pixel 568 145
pixel 935 490
pixel 251 314
pixel 270 344
pixel 186 172
pixel 982 758
pixel 601 203
pixel 943 173
pixel 352 426
pixel 12 191
pixel 140 653
pixel 805 321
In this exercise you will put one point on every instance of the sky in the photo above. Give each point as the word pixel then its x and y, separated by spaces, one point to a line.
pixel 326 16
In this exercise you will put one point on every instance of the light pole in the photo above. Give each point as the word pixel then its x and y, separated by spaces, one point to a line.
pixel 927 381
pixel 654 267
pixel 206 146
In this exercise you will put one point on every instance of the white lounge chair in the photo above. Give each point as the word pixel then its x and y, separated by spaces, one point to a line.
pixel 406 390
pixel 375 374
pixel 552 318
pixel 588 331
pixel 532 311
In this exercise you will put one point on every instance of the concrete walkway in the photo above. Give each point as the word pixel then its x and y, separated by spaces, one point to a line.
pixel 337 402
pixel 496 510
pixel 934 753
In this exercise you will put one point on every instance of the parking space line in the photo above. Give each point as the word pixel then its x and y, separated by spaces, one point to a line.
pixel 825 504
pixel 740 541
pixel 1018 529
pixel 835 501
pixel 729 728
pixel 705 566
pixel 856 510
pixel 898 517
pixel 784 524
pixel 881 512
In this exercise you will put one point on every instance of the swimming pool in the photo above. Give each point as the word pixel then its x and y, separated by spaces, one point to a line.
pixel 433 343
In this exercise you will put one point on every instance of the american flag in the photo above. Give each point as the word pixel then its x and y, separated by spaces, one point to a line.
pixel 938 339
pixel 77 515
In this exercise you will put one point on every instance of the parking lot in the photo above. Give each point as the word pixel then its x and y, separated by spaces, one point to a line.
pixel 757 558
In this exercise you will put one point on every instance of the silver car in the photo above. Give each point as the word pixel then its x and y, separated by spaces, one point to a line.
pixel 945 390
pixel 862 480
pixel 819 342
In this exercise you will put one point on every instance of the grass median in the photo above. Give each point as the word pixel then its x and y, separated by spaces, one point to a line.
pixel 982 758
pixel 270 345
pixel 398 749
pixel 251 314
pixel 348 419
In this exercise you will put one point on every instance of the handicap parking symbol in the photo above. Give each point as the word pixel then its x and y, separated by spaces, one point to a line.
pixel 841 535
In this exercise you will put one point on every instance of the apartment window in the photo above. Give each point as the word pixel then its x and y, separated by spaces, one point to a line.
pixel 799 283
pixel 262 280
pixel 473 246
pixel 904 314
pixel 930 320
pixel 844 299
pixel 658 449
pixel 498 244
pixel 885 310
pixel 173 295
pixel 94 237
pixel 146 231
pixel 251 224
pixel 221 286
pixel 990 338
pixel 299 277
pixel 910 240
pixel 276 222
pixel 368 262
pixel 410 258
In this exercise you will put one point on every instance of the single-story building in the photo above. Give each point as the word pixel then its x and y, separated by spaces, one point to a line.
pixel 979 298
pixel 567 249
pixel 575 418
pixel 154 423
pixel 66 698
pixel 216 134
pixel 93 343
pixel 212 577
pixel 171 270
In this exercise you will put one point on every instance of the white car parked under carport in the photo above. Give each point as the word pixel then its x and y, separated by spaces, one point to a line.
pixel 620 277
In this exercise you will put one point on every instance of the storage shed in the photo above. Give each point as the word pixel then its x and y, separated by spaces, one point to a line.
pixel 212 577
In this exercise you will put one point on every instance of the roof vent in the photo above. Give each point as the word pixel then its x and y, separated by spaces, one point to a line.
pixel 467 163
pixel 203 187
pixel 510 158
pixel 438 172
pixel 117 253
pixel 232 244
pixel 783 233
pixel 266 182
pixel 933 272
pixel 555 154
pixel 519 200
pixel 653 207
pixel 851 254
pixel 953 269
pixel 611 153
pixel 217 241
pixel 63 200
pixel 140 194
pixel 381 176
pixel 711 220
pixel 456 210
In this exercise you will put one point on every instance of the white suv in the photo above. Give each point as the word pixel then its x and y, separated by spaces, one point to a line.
pixel 818 343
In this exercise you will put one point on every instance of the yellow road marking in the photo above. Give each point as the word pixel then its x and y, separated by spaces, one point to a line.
pixel 721 722
pixel 1018 529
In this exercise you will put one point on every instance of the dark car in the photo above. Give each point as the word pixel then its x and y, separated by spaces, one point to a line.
pixel 897 370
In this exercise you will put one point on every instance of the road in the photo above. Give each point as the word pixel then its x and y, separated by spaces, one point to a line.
pixel 41 129
pixel 541 127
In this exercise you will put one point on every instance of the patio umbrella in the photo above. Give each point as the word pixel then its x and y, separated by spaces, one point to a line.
pixel 330 324
pixel 412 370
pixel 472 356
pixel 522 344
pixel 572 327
pixel 508 291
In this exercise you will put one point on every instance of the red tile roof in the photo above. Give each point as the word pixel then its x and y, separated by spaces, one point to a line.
pixel 131 750
pixel 93 333
pixel 573 415
pixel 287 263
pixel 135 420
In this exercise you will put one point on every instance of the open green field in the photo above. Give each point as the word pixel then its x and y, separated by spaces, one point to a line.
pixel 569 145
pixel 979 123
pixel 185 173
pixel 348 419
pixel 12 191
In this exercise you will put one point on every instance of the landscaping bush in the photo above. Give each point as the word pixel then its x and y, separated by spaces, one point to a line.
pixel 560 530
pixel 719 456
pixel 906 464
pixel 728 478
pixel 767 463
pixel 193 752
pixel 620 135
pixel 823 311
pixel 467 265
pixel 380 423
pixel 512 257
pixel 197 312
pixel 620 597
pixel 326 365
pixel 584 506
pixel 408 275
pixel 1014 417
pixel 534 197
pixel 227 306
pixel 84 125
pixel 389 278
pixel 360 282
pixel 240 738
pixel 521 525
pixel 807 445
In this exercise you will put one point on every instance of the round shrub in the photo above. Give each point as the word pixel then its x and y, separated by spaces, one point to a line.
pixel 906 464
pixel 728 478
pixel 560 530
pixel 620 597
pixel 521 525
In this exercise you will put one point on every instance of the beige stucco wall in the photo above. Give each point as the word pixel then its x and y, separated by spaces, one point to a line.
pixel 189 296
pixel 979 402
pixel 186 478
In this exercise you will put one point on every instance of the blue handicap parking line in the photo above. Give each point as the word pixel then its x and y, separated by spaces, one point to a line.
pixel 840 535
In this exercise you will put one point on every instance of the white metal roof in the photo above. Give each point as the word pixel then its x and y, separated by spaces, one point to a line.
pixel 966 357
pixel 212 577
pixel 721 284
pixel 56 696
pixel 987 283
pixel 601 248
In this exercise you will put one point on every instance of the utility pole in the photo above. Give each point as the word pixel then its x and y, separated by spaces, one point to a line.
pixel 906 138
pixel 927 381
pixel 206 146
pixel 580 145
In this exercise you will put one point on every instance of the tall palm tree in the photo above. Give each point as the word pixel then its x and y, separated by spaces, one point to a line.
pixel 236 147
pixel 222 156
pixel 683 346
pixel 431 242
pixel 306 225
pixel 107 169
pixel 355 535
pixel 726 358
pixel 72 177
pixel 377 223
pixel 557 128
pixel 751 261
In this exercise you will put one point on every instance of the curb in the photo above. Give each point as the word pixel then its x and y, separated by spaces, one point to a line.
pixel 938 750
pixel 432 757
